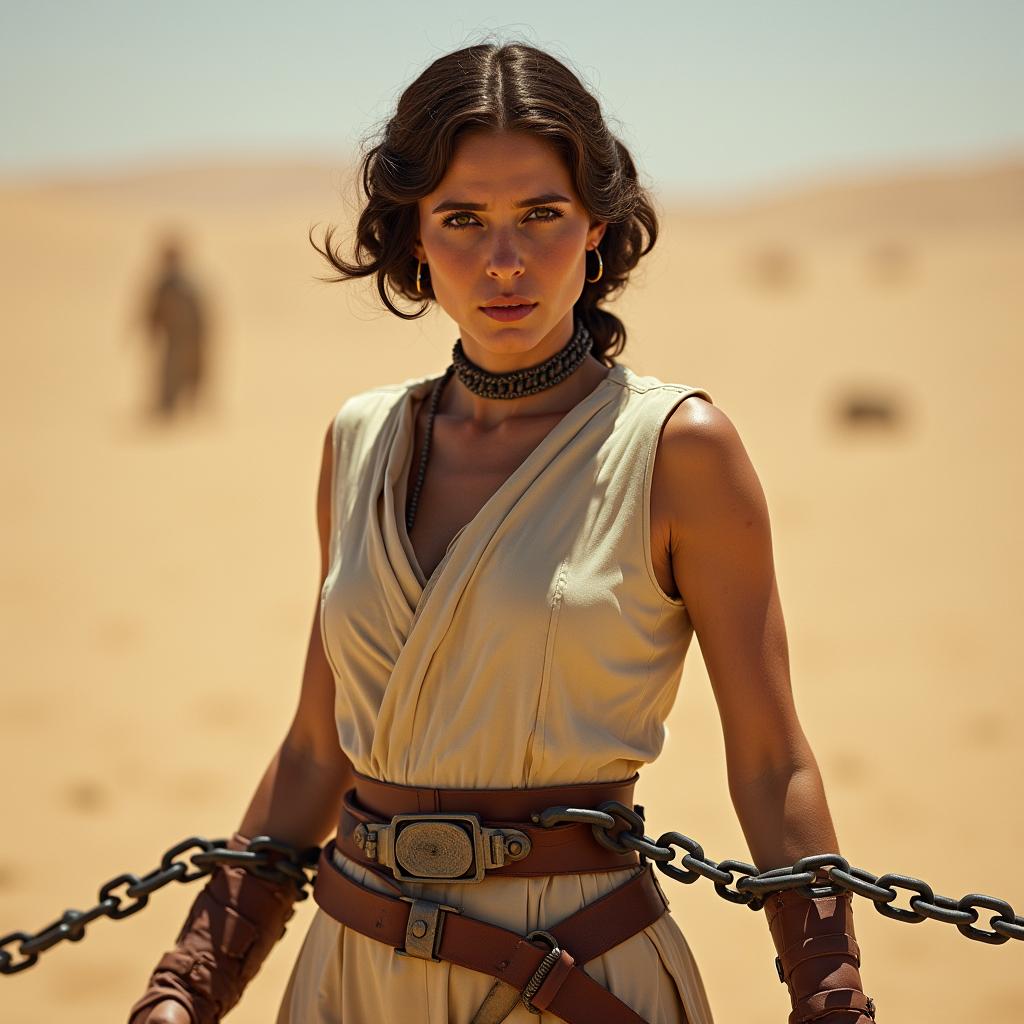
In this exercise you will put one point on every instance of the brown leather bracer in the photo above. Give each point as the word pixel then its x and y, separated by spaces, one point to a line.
pixel 819 958
pixel 230 929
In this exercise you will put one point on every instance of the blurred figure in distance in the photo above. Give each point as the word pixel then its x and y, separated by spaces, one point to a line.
pixel 176 324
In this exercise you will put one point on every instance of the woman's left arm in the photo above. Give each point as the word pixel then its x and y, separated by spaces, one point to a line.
pixel 718 536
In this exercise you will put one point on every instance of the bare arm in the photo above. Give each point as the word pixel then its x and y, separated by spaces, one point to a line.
pixel 298 797
pixel 722 563
pixel 721 555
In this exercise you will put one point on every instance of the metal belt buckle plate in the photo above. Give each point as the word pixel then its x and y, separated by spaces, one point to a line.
pixel 437 848
pixel 440 847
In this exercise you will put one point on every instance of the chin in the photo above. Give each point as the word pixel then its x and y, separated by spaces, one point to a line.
pixel 509 337
pixel 514 346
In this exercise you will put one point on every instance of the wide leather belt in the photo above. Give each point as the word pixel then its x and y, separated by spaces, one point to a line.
pixel 423 834
pixel 546 977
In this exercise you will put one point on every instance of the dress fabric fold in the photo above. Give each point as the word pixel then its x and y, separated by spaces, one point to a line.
pixel 541 651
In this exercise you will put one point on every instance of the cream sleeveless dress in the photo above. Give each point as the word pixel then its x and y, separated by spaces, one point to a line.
pixel 542 651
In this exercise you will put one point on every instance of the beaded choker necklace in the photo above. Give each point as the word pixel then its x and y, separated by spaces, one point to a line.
pixel 511 384
pixel 529 379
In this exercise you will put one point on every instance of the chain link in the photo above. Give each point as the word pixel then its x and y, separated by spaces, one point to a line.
pixel 265 857
pixel 832 872
pixel 615 826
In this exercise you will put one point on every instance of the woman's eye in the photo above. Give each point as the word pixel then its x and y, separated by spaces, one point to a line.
pixel 449 221
pixel 452 218
pixel 555 214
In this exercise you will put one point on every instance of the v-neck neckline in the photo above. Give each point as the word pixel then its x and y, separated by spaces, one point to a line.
pixel 406 435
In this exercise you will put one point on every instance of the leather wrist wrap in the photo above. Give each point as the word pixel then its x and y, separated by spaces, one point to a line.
pixel 231 927
pixel 819 958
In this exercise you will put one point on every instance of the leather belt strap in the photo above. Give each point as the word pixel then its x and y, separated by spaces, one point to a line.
pixel 499 952
pixel 567 848
pixel 388 798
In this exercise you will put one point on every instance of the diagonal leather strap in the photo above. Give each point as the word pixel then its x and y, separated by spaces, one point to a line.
pixel 503 953
pixel 612 918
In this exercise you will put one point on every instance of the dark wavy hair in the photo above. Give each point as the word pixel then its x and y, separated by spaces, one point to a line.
pixel 509 87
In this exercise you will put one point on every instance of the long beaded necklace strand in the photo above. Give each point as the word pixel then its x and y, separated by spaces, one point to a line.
pixel 435 397
pixel 527 380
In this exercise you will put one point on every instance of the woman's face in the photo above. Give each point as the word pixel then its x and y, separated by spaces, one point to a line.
pixel 480 244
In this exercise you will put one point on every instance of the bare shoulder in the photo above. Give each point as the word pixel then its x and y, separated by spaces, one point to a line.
pixel 702 470
pixel 697 438
pixel 695 418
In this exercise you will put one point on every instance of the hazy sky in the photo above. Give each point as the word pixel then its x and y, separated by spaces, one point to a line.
pixel 711 97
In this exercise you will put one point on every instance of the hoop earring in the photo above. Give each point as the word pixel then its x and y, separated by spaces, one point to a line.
pixel 600 266
pixel 419 267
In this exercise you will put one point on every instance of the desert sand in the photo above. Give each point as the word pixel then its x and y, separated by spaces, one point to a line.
pixel 158 581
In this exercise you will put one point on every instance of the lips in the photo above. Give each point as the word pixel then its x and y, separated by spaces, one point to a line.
pixel 506 314
pixel 508 300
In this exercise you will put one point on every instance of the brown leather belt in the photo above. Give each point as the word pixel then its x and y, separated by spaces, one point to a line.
pixel 469 832
pixel 545 977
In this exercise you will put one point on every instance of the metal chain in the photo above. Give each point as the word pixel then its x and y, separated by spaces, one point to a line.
pixel 265 857
pixel 615 826
pixel 753 887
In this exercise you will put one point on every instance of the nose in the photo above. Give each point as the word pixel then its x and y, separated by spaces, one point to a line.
pixel 504 263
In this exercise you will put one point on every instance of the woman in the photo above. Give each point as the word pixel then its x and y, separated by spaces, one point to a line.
pixel 515 555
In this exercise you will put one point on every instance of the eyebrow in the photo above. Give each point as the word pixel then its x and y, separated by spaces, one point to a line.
pixel 455 204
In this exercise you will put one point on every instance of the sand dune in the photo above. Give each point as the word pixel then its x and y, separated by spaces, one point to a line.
pixel 158 584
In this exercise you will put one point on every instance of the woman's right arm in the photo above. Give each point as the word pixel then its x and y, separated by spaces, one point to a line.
pixel 297 801
pixel 298 798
